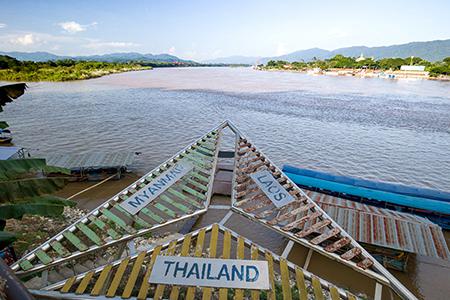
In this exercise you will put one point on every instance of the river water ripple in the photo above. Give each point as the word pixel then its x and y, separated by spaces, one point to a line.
pixel 396 131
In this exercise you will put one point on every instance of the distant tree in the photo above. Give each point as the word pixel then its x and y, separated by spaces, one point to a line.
pixel 65 62
pixel 276 64
pixel 7 62
pixel 367 63
pixel 299 65
pixel 392 63
pixel 340 61
pixel 417 61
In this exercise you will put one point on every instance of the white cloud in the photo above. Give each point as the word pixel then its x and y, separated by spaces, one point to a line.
pixel 74 27
pixel 339 33
pixel 25 40
pixel 100 45
pixel 60 44
pixel 172 50
pixel 216 53
pixel 2 25
pixel 281 49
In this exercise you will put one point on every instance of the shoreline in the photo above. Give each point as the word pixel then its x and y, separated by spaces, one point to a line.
pixel 91 75
pixel 360 73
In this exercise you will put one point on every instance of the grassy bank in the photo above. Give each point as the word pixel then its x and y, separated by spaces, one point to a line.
pixel 64 70
pixel 435 69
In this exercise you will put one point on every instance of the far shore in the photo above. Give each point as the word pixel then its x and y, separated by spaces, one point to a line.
pixel 361 73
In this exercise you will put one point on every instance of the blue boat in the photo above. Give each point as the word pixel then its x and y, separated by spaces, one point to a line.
pixel 433 204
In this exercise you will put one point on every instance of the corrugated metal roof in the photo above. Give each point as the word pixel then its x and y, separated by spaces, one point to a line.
pixel 384 227
pixel 175 199
pixel 216 241
pixel 91 160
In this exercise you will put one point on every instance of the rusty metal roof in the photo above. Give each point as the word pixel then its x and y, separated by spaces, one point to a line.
pixel 128 277
pixel 110 223
pixel 91 160
pixel 301 220
pixel 384 227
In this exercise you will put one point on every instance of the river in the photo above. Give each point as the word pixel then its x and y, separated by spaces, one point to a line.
pixel 389 130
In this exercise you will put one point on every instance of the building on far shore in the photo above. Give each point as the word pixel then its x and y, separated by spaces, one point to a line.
pixel 412 68
pixel 412 72
pixel 360 58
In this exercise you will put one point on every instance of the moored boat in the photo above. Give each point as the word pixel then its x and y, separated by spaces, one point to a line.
pixel 5 136
pixel 432 204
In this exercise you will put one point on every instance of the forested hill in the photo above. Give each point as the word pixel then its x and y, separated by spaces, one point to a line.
pixel 112 57
pixel 431 51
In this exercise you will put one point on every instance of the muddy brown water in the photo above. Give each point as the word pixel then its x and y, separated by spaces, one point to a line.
pixel 426 277
pixel 397 131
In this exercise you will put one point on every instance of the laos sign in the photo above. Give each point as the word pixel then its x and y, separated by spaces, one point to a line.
pixel 155 188
pixel 211 272
pixel 272 188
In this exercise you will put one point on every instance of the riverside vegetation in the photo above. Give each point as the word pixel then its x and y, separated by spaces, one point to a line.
pixel 435 69
pixel 12 69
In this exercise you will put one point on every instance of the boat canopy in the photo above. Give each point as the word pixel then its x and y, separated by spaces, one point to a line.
pixel 263 193
pixel 370 184
pixel 181 188
pixel 8 152
pixel 420 203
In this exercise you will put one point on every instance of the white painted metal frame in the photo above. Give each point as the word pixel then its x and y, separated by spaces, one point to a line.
pixel 49 290
pixel 109 203
pixel 382 275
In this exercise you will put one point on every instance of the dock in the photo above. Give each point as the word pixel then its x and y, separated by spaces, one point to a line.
pixel 93 165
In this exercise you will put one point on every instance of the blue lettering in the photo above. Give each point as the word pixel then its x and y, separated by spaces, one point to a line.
pixel 247 271
pixel 235 273
pixel 193 271
pixel 174 172
pixel 152 190
pixel 180 269
pixel 203 271
pixel 136 201
pixel 161 183
pixel 270 189
pixel 224 272
pixel 169 177
pixel 168 263
pixel 208 273
pixel 279 196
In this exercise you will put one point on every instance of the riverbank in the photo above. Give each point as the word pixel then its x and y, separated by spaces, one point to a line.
pixel 389 68
pixel 361 73
pixel 417 278
pixel 12 69
pixel 66 73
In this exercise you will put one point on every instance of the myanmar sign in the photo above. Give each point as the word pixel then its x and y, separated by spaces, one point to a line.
pixel 211 272
pixel 155 188
pixel 272 188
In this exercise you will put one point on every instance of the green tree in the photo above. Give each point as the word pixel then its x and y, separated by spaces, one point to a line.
pixel 340 61
pixel 24 184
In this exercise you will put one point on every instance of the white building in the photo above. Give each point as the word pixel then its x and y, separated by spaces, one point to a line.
pixel 412 68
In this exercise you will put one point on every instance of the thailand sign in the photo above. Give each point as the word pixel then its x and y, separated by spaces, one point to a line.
pixel 211 272
pixel 272 188
pixel 155 188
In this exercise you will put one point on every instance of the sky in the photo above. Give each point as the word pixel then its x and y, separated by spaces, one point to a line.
pixel 201 30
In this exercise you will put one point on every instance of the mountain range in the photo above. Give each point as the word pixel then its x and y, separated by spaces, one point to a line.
pixel 431 50
pixel 112 57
